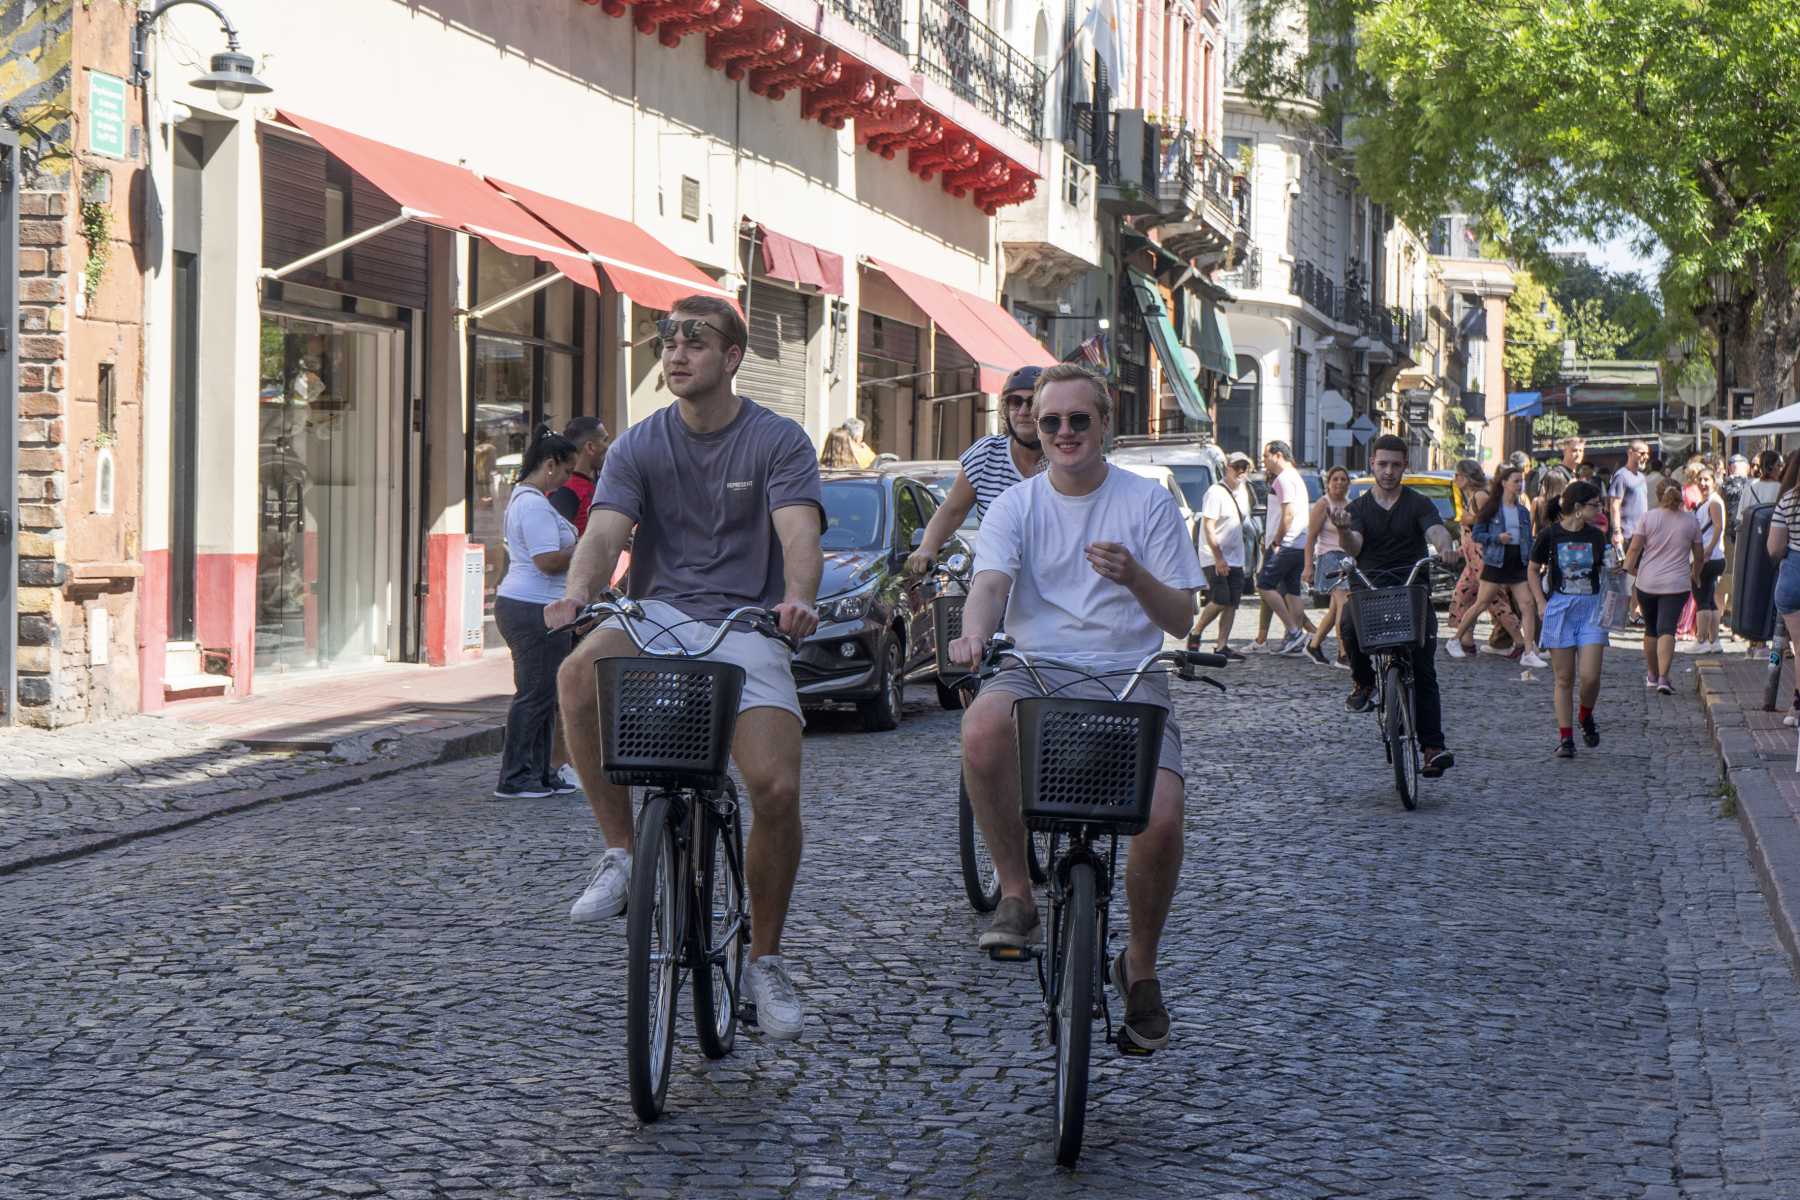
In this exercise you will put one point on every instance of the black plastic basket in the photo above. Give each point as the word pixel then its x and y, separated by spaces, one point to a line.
pixel 1088 762
pixel 668 721
pixel 1391 618
pixel 946 625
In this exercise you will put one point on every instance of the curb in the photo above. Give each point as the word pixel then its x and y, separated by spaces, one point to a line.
pixel 1772 834
pixel 460 742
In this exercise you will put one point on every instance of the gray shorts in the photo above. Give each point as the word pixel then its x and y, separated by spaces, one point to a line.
pixel 1015 681
pixel 768 667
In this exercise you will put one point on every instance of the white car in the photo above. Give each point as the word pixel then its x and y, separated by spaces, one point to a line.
pixel 1164 476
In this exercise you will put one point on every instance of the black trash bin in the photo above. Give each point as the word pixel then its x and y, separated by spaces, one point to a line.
pixel 1753 582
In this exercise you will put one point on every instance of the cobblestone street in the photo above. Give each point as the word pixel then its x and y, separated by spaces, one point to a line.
pixel 1556 978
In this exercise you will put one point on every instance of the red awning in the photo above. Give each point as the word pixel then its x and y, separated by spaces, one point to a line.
pixel 986 332
pixel 636 263
pixel 451 197
pixel 797 262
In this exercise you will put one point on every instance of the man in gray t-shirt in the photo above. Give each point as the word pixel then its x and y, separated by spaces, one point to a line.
pixel 1629 496
pixel 725 499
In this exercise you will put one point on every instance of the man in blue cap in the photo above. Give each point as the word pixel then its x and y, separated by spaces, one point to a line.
pixel 989 467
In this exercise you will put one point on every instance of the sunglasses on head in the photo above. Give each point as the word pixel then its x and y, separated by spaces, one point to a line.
pixel 689 330
pixel 1018 400
pixel 1079 422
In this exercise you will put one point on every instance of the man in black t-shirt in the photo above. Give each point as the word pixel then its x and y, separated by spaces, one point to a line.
pixel 1390 528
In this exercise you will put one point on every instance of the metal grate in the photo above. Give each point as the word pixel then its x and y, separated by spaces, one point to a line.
pixel 474 581
pixel 667 721
pixel 947 626
pixel 690 198
pixel 1389 618
pixel 1088 761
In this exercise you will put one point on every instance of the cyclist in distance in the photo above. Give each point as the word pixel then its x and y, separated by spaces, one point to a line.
pixel 725 498
pixel 989 467
pixel 1390 527
pixel 1091 565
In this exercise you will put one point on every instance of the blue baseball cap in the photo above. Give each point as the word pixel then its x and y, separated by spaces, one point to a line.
pixel 1022 380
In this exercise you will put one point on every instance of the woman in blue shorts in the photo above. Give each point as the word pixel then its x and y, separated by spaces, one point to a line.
pixel 1784 550
pixel 1568 557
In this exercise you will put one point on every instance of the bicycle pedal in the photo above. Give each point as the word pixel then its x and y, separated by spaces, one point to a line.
pixel 1013 953
pixel 1129 1048
pixel 747 1015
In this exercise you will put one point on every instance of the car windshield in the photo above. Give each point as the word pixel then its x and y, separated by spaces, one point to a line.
pixel 1193 481
pixel 939 487
pixel 853 514
pixel 1437 493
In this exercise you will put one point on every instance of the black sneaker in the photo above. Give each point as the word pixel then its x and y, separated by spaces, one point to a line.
pixel 1566 748
pixel 1229 653
pixel 1317 655
pixel 1590 732
pixel 1437 761
pixel 1361 699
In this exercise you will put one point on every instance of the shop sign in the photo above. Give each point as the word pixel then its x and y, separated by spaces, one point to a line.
pixel 106 114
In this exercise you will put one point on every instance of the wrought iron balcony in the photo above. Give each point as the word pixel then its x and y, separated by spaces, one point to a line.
pixel 1315 287
pixel 883 20
pixel 1248 274
pixel 961 52
pixel 1216 173
pixel 1177 174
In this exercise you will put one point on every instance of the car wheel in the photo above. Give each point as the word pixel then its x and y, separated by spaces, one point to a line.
pixel 883 712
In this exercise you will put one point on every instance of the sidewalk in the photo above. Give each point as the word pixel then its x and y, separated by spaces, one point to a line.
pixel 89 787
pixel 1758 755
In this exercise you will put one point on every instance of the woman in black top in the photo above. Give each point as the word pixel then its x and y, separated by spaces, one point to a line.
pixel 1569 557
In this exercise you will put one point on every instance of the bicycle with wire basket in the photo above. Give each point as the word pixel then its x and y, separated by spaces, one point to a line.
pixel 981 882
pixel 666 727
pixel 1087 771
pixel 1392 622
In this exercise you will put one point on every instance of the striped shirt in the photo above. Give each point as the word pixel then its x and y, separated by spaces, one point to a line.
pixel 990 468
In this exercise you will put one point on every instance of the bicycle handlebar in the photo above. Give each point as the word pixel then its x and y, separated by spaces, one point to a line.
pixel 1431 555
pixel 612 604
pixel 1003 647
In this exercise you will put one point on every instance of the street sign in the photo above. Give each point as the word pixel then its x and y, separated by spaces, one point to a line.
pixel 1333 408
pixel 1363 428
pixel 1336 438
pixel 106 114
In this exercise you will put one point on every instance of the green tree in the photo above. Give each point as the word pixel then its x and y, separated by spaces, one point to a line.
pixel 1595 336
pixel 1553 427
pixel 1533 335
pixel 1621 298
pixel 1573 118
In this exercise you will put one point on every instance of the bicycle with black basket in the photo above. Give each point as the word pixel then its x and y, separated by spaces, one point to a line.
pixel 667 723
pixel 1390 624
pixel 981 882
pixel 1087 770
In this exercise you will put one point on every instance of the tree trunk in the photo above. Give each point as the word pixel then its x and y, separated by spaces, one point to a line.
pixel 1775 328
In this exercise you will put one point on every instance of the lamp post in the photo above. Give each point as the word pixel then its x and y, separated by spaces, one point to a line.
pixel 231 74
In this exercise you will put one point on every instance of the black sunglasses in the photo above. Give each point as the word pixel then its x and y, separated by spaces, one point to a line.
pixel 1078 422
pixel 668 328
pixel 1018 400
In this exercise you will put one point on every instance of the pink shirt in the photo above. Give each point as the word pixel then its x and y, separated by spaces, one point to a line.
pixel 1666 565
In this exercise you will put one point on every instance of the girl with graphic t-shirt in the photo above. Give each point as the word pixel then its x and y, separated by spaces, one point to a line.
pixel 1568 556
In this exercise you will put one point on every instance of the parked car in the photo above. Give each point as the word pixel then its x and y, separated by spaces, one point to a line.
pixel 1166 478
pixel 1191 457
pixel 1439 488
pixel 875 634
pixel 937 474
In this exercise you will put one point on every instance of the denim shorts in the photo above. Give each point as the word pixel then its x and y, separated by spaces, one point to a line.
pixel 1281 571
pixel 1787 585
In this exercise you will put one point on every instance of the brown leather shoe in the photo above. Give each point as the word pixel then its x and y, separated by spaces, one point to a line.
pixel 1014 926
pixel 1146 1020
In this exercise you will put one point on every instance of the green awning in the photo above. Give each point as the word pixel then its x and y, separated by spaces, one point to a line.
pixel 1215 349
pixel 1185 383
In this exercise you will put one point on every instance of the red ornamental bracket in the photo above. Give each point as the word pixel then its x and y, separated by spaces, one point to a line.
pixel 728 14
pixel 928 131
pixel 834 106
pixel 986 175
pixel 819 68
pixel 1014 191
pixel 954 153
pixel 612 8
pixel 749 46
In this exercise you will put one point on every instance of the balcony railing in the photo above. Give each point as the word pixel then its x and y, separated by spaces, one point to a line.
pixel 883 20
pixel 1177 174
pixel 1315 287
pixel 961 52
pixel 1247 275
pixel 1216 174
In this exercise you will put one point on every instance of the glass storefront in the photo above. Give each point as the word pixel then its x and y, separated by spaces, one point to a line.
pixel 327 516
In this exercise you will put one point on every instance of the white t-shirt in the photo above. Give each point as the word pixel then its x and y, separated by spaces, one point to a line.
pixel 1226 511
pixel 1289 490
pixel 533 527
pixel 1060 606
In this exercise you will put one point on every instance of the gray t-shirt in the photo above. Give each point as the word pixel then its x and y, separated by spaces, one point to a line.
pixel 706 540
pixel 1632 491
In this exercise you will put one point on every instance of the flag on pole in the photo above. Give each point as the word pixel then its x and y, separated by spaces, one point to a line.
pixel 1102 24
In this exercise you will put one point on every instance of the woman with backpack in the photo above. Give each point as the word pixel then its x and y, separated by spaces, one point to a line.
pixel 1502 529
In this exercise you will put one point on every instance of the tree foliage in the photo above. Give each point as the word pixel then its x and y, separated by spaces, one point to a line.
pixel 1563 118
pixel 1533 336
pixel 1554 427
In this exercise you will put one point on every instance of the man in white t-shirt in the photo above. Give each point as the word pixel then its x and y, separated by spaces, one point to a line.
pixel 1092 566
pixel 1284 543
pixel 1221 549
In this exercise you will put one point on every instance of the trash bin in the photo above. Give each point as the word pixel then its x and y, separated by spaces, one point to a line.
pixel 1753 583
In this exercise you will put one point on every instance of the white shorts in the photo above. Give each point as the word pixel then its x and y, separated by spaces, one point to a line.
pixel 768 666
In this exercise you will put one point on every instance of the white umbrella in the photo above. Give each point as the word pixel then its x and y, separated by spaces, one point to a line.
pixel 1782 420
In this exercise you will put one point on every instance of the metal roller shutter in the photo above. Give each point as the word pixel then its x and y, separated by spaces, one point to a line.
pixel 773 372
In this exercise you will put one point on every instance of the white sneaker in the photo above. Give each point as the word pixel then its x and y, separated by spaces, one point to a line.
pixel 521 793
pixel 1533 659
pixel 1259 647
pixel 604 895
pixel 1455 649
pixel 1295 643
pixel 567 781
pixel 771 989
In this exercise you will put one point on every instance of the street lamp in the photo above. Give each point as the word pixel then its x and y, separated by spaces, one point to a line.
pixel 231 75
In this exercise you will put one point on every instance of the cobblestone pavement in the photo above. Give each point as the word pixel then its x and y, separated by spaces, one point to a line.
pixel 1556 978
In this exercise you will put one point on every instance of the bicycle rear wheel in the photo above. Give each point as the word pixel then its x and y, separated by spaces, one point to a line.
pixel 1403 741
pixel 980 881
pixel 654 942
pixel 721 928
pixel 1074 1014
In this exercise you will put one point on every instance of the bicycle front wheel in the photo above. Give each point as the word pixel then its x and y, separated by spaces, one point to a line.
pixel 980 881
pixel 653 937
pixel 1403 739
pixel 1074 1014
pixel 721 929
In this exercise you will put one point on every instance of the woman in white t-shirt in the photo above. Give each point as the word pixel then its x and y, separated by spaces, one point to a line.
pixel 539 545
